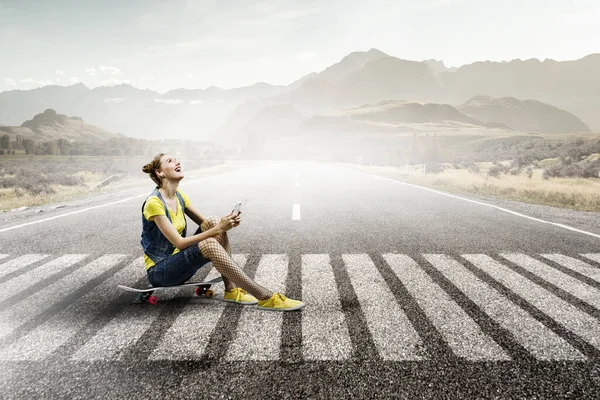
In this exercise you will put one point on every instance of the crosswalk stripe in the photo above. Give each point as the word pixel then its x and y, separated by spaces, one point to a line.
pixel 571 285
pixel 30 278
pixel 258 335
pixel 47 337
pixel 124 330
pixel 569 316
pixel 3 256
pixel 461 333
pixel 393 334
pixel 593 256
pixel 576 265
pixel 324 330
pixel 16 315
pixel 539 340
pixel 188 336
pixel 20 262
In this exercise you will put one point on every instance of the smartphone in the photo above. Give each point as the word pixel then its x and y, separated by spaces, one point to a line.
pixel 237 208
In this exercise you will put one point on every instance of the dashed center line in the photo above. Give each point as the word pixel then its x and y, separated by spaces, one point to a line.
pixel 296 212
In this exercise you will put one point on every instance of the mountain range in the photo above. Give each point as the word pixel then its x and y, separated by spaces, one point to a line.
pixel 566 95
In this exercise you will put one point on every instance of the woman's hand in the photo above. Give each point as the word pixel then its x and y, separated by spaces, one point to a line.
pixel 227 222
pixel 237 220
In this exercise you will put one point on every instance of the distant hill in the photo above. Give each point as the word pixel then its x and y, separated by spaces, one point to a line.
pixel 395 116
pixel 50 125
pixel 523 115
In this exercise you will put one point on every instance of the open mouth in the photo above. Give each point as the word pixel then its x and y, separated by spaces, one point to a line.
pixel 178 169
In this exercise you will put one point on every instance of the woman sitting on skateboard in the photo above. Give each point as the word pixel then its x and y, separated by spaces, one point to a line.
pixel 172 259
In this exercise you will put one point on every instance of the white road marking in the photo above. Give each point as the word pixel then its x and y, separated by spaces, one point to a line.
pixel 324 329
pixel 20 262
pixel 3 256
pixel 296 212
pixel 187 338
pixel 30 278
pixel 569 316
pixel 258 334
pixel 461 333
pixel 394 335
pixel 593 256
pixel 539 340
pixel 565 282
pixel 42 341
pixel 478 202
pixel 576 265
pixel 13 317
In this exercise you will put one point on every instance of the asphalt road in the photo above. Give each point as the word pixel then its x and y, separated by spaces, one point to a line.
pixel 409 292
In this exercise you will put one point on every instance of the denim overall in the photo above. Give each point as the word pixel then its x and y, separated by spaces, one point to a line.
pixel 169 269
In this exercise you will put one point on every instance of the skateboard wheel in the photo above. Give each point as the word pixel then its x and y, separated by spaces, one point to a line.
pixel 198 291
pixel 209 293
pixel 153 300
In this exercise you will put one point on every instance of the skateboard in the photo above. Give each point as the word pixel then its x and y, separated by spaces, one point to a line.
pixel 146 295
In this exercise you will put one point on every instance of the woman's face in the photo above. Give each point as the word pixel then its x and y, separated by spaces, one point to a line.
pixel 170 168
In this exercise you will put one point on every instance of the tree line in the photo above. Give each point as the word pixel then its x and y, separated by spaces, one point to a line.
pixel 118 146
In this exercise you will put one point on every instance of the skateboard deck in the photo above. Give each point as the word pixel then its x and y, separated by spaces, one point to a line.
pixel 145 294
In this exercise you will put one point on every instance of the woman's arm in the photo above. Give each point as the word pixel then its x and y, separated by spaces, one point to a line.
pixel 194 214
pixel 167 228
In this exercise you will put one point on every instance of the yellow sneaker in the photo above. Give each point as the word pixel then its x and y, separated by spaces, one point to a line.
pixel 279 302
pixel 240 296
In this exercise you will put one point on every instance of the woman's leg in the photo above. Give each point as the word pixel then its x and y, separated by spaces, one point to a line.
pixel 223 240
pixel 212 250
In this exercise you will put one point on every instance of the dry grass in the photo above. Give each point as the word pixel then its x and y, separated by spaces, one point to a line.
pixel 574 193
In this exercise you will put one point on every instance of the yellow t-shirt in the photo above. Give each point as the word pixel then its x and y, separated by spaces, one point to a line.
pixel 154 207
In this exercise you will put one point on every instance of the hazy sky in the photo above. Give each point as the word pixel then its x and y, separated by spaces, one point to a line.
pixel 167 44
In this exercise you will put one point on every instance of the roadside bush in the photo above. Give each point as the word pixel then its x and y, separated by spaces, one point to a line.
pixel 529 172
pixel 7 182
pixel 38 188
pixel 584 169
pixel 434 168
pixel 495 171
pixel 470 166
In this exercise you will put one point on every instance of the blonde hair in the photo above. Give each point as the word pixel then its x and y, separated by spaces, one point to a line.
pixel 152 167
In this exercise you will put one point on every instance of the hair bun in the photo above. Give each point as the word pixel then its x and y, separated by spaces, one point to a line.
pixel 147 168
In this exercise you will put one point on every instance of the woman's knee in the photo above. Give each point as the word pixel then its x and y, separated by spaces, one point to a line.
pixel 208 246
pixel 210 222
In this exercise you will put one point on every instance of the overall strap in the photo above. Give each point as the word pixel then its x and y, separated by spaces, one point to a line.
pixel 156 193
pixel 182 202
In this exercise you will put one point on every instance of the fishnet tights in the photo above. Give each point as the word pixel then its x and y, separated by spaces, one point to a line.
pixel 217 250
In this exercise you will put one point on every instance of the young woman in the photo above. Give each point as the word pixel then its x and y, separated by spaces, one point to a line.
pixel 171 258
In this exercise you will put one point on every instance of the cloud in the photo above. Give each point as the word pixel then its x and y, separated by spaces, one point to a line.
pixel 196 101
pixel 168 101
pixel 190 75
pixel 59 72
pixel 305 56
pixel 294 14
pixel 91 71
pixel 113 82
pixel 109 70
pixel 74 80
pixel 30 81
pixel 115 100
pixel 10 82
